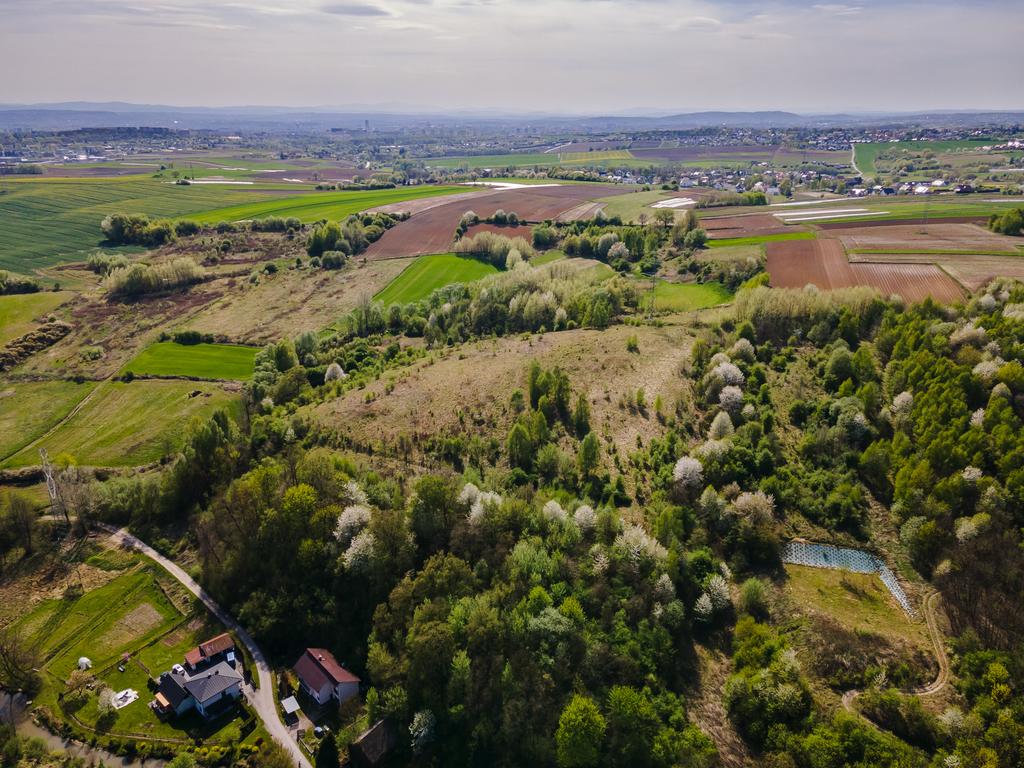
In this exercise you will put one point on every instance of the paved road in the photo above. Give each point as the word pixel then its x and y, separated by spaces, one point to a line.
pixel 262 698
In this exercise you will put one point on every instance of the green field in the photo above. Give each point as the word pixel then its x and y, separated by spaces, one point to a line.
pixel 29 408
pixel 727 242
pixel 204 361
pixel 547 257
pixel 516 160
pixel 428 273
pixel 866 154
pixel 46 222
pixel 18 313
pixel 130 424
pixel 632 204
pixel 573 158
pixel 315 206
pixel 686 297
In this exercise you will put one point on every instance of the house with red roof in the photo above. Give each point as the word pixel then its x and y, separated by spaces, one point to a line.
pixel 323 678
pixel 213 651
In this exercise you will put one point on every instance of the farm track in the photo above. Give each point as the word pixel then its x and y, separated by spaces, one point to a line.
pixel 262 698
pixel 941 678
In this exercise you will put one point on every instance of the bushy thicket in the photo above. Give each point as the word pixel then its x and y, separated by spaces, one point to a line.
pixel 137 229
pixel 722 199
pixel 552 297
pixel 1009 223
pixel 11 284
pixel 352 236
pixel 140 279
pixel 494 248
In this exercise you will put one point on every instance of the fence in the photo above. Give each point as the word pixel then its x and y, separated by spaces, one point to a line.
pixel 845 559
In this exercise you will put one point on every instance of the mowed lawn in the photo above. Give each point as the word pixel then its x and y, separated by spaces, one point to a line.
pixel 130 424
pixel 315 206
pixel 227 362
pixel 29 408
pixel 18 313
pixel 428 273
pixel 686 297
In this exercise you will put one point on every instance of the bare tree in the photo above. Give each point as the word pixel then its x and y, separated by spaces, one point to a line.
pixel 18 662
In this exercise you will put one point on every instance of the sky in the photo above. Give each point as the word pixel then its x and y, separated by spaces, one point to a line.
pixel 555 56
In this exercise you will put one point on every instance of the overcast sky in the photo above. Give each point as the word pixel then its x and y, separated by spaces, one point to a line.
pixel 519 55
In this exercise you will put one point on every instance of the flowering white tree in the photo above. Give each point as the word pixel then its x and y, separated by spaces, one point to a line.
pixel 637 545
pixel 421 730
pixel 742 350
pixel 729 373
pixel 354 494
pixel 717 589
pixel 359 554
pixel 731 399
pixel 688 472
pixel 554 513
pixel 351 520
pixel 703 608
pixel 585 517
pixel 754 506
pixel 664 589
pixel 334 372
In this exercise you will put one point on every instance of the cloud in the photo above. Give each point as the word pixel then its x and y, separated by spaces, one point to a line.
pixel 354 9
pixel 839 9
pixel 697 22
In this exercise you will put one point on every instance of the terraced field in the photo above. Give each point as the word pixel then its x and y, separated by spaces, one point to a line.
pixel 29 408
pixel 18 313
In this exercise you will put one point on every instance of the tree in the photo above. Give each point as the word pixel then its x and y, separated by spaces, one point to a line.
pixel 589 455
pixel 432 513
pixel 519 447
pixel 581 416
pixel 20 520
pixel 580 733
pixel 632 724
pixel 18 662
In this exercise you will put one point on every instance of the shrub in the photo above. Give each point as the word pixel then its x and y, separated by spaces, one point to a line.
pixel 140 279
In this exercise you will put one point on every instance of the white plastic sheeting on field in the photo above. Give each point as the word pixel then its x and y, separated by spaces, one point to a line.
pixel 845 559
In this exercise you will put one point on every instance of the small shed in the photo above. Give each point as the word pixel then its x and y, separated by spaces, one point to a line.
pixel 290 706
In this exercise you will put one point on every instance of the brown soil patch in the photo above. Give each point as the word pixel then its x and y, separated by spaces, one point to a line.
pixel 934 236
pixel 422 204
pixel 432 230
pixel 797 263
pixel 706 706
pixel 131 626
pixel 747 225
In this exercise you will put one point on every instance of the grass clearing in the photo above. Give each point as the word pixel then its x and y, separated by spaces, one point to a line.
pixel 547 257
pixel 518 160
pixel 586 158
pixel 631 205
pixel 229 362
pixel 687 297
pixel 315 206
pixel 130 424
pixel 18 313
pixel 29 408
pixel 857 600
pixel 727 242
pixel 428 273
pixel 867 154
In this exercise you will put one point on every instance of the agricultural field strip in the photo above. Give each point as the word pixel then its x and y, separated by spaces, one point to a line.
pixel 829 216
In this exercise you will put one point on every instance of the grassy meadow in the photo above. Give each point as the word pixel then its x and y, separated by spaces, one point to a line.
pixel 29 408
pixel 229 362
pixel 428 273
pixel 729 242
pixel 130 424
pixel 18 313
pixel 687 297
pixel 867 154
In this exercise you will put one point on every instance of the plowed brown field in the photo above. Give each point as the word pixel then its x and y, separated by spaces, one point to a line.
pixel 748 225
pixel 796 263
pixel 432 230
pixel 934 236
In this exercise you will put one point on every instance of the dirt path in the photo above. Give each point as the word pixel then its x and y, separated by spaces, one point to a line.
pixel 941 680
pixel 706 707
pixel 81 404
pixel 853 160
pixel 262 698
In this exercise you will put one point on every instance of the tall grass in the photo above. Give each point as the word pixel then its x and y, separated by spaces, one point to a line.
pixel 141 279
